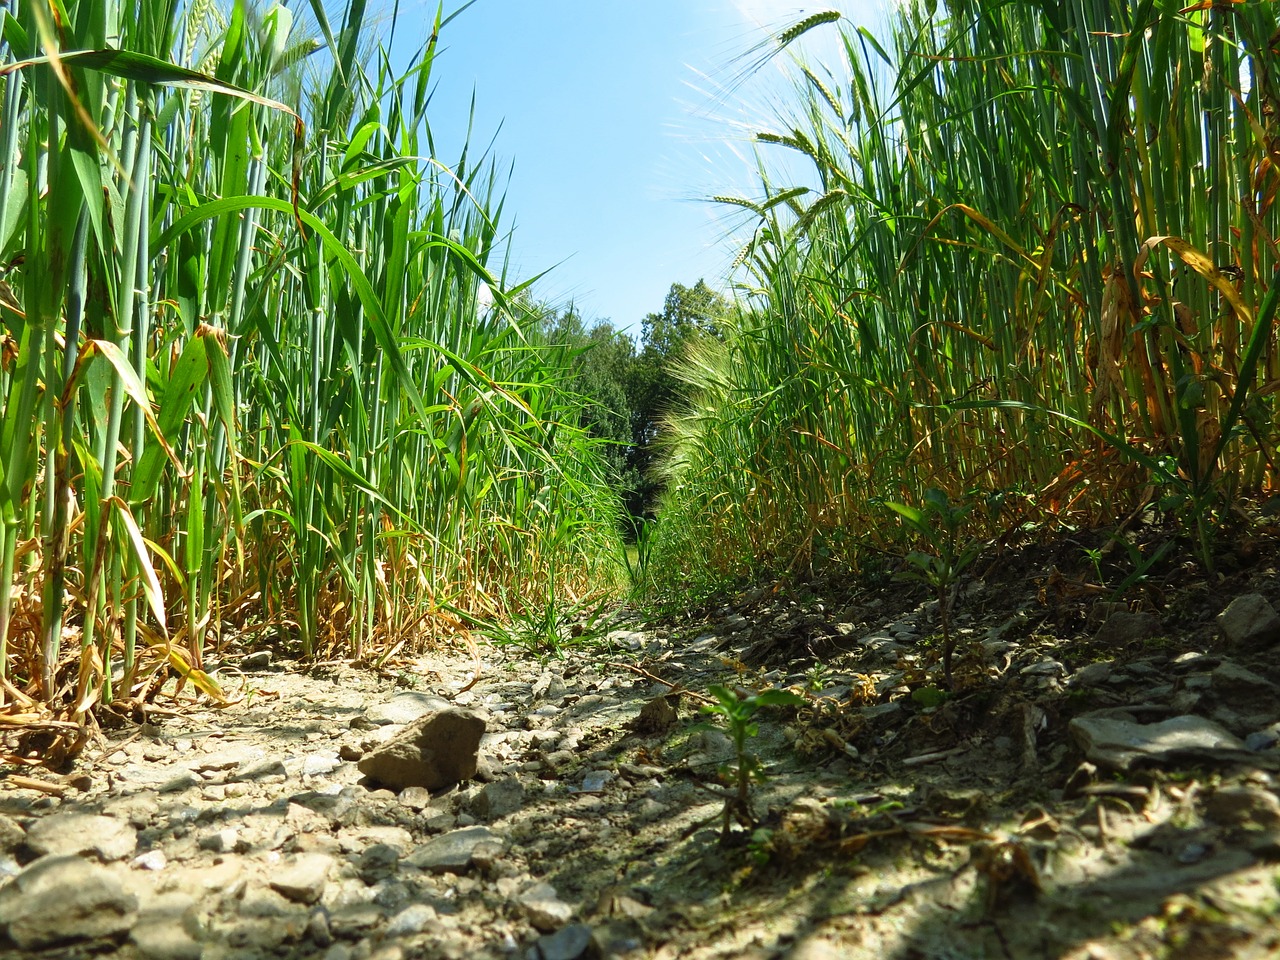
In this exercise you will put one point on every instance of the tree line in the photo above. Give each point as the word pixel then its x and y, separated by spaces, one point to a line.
pixel 628 386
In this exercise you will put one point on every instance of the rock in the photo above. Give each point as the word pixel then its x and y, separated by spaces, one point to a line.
pixel 62 899
pixel 1091 675
pixel 1250 622
pixel 377 862
pixel 811 948
pixel 317 929
pixel 415 798
pixel 1232 681
pixel 657 716
pixel 226 840
pixel 451 852
pixel 259 769
pixel 544 908
pixel 415 918
pixel 436 751
pixel 165 940
pixel 568 944
pixel 303 879
pixel 318 764
pixel 12 836
pixel 1124 627
pixel 151 860
pixel 179 782
pixel 626 639
pixel 355 919
pixel 1118 744
pixel 72 834
pixel 1243 805
pixel 1264 739
pixel 167 928
pixel 404 708
pixel 498 799
pixel 260 660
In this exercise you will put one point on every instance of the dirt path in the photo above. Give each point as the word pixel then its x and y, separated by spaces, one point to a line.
pixel 891 825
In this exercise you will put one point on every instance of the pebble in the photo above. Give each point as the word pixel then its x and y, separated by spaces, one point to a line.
pixel 69 834
pixel 569 943
pixel 451 852
pixel 302 880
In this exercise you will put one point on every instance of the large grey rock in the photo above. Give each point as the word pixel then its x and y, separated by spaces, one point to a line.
pixel 73 834
pixel 452 852
pixel 63 899
pixel 436 751
pixel 1118 744
pixel 1250 621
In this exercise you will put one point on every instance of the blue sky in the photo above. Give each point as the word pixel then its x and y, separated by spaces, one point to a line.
pixel 609 111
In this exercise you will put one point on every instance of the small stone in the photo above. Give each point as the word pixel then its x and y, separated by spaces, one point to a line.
pixel 318 764
pixel 1250 622
pixel 258 770
pixel 260 660
pixel 657 716
pixel 451 852
pixel 62 899
pixel 1261 740
pixel 317 929
pixel 151 860
pixel 1117 743
pixel 226 840
pixel 1124 627
pixel 404 708
pixel 594 781
pixel 1242 805
pixel 498 799
pixel 69 834
pixel 415 798
pixel 165 939
pixel 436 751
pixel 184 780
pixel 1091 675
pixel 1232 682
pixel 303 880
pixel 12 836
pixel 415 918
pixel 542 905
pixel 355 919
pixel 377 863
pixel 569 943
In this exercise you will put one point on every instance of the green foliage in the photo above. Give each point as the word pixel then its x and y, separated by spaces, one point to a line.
pixel 980 279
pixel 274 381
pixel 940 524
pixel 738 714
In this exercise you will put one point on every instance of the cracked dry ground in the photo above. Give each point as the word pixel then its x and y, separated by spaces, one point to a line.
pixel 1104 785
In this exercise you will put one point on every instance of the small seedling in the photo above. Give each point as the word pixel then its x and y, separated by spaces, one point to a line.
pixel 939 523
pixel 738 714
pixel 817 677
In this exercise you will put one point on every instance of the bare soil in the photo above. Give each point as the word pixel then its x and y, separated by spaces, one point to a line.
pixel 895 819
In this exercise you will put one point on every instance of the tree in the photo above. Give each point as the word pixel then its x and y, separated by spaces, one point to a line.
pixel 652 392
pixel 599 360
